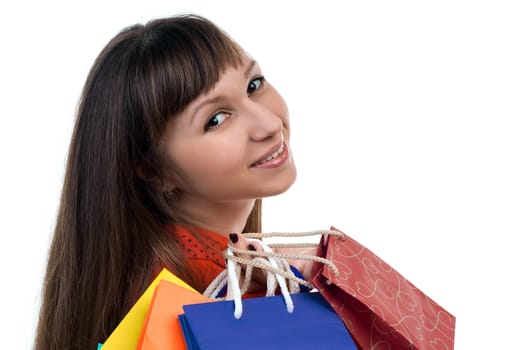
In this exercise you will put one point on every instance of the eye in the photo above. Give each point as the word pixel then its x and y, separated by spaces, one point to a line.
pixel 254 85
pixel 216 120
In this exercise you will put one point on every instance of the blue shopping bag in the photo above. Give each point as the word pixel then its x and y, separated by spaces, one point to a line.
pixel 265 324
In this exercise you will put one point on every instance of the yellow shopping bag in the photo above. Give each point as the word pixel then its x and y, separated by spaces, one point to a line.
pixel 126 335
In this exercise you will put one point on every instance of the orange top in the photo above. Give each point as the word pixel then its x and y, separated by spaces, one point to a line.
pixel 203 250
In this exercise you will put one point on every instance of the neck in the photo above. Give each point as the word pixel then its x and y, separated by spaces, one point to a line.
pixel 220 217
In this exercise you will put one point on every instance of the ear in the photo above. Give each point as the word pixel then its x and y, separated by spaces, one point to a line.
pixel 148 175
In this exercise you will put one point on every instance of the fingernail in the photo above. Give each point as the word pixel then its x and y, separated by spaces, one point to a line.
pixel 234 238
pixel 251 247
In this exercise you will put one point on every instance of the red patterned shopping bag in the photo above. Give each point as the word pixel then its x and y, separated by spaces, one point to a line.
pixel 380 308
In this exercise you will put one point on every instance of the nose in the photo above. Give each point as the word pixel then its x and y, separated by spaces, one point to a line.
pixel 263 122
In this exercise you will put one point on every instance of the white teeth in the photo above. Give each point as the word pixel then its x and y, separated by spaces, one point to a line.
pixel 274 155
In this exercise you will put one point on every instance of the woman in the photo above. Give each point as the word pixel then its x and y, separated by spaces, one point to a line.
pixel 178 136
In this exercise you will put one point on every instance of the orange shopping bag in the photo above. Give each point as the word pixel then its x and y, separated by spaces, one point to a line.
pixel 380 308
pixel 126 335
pixel 161 329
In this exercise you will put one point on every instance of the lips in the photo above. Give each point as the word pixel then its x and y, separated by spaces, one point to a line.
pixel 274 153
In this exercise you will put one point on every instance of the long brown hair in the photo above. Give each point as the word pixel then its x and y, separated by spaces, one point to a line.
pixel 110 232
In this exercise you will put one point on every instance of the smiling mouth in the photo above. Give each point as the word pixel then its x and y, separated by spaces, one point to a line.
pixel 270 157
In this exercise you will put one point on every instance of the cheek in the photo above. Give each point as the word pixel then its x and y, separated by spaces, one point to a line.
pixel 202 164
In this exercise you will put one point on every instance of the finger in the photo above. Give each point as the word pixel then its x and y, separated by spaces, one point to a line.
pixel 238 241
pixel 304 266
pixel 248 245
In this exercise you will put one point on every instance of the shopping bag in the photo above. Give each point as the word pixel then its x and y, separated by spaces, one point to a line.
pixel 126 335
pixel 161 329
pixel 265 324
pixel 380 308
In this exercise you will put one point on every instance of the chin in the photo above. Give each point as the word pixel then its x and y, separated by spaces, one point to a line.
pixel 282 185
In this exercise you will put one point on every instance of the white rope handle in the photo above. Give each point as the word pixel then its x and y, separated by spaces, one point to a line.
pixel 275 265
pixel 282 283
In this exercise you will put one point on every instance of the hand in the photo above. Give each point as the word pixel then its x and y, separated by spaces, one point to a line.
pixel 304 266
pixel 258 279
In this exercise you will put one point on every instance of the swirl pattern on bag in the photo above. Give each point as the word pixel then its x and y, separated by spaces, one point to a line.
pixel 381 309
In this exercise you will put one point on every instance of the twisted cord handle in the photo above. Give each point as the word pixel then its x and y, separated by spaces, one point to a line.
pixel 274 264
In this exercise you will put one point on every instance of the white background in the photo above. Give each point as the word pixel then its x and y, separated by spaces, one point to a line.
pixel 408 134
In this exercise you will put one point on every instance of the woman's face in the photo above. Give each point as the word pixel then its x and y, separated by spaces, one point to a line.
pixel 231 143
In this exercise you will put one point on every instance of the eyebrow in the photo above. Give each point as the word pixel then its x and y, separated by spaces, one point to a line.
pixel 249 68
pixel 215 99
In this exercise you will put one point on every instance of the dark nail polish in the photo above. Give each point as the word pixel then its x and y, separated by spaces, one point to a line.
pixel 234 238
pixel 251 247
